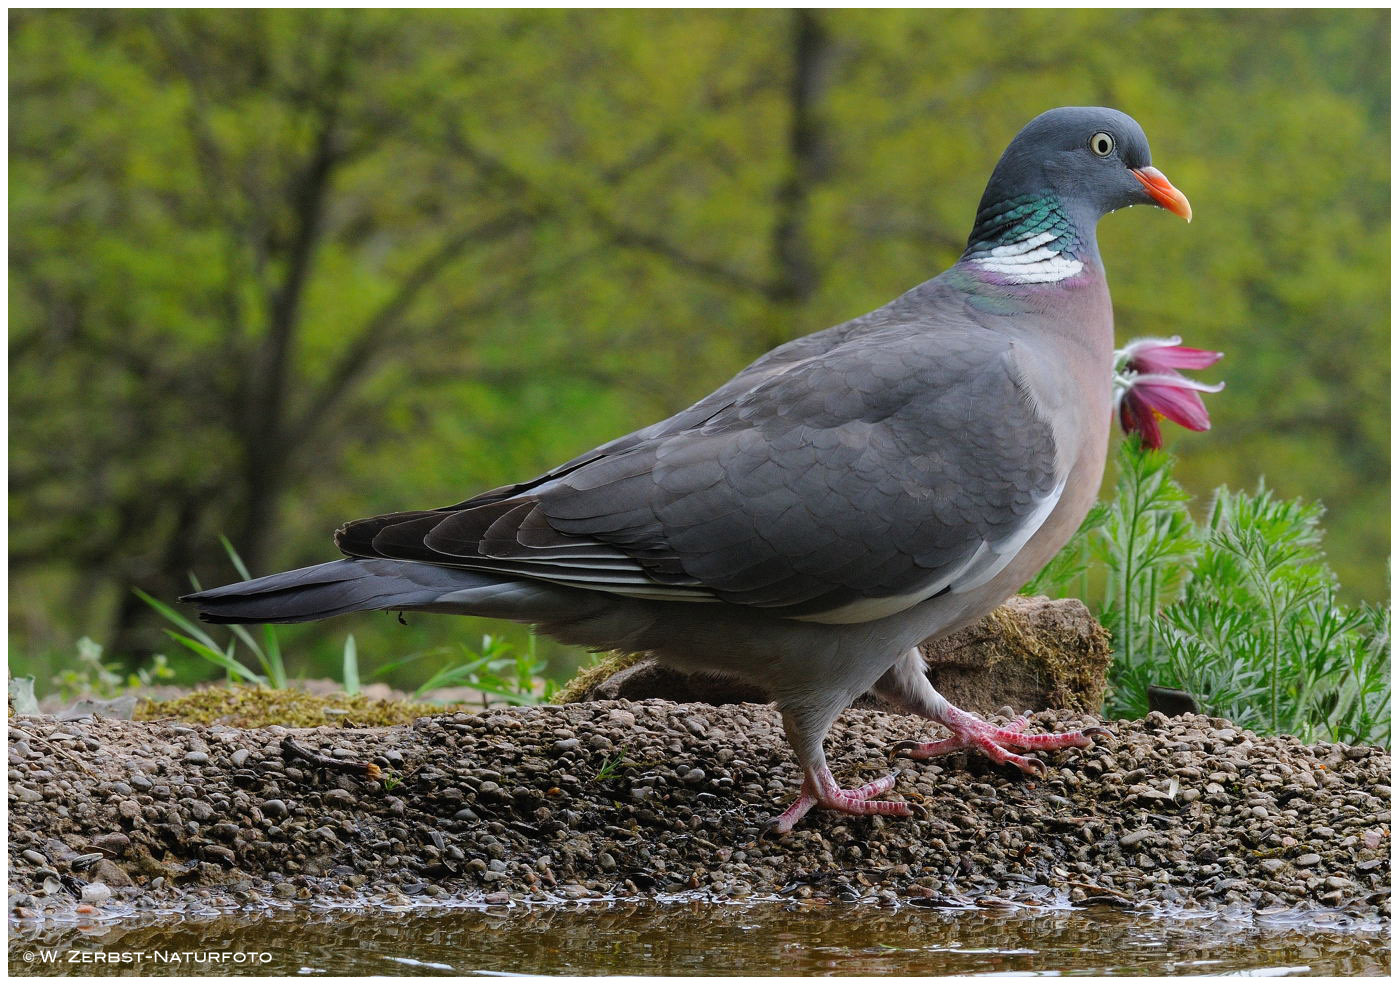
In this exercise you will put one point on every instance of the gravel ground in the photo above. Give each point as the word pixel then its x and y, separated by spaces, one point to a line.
pixel 652 798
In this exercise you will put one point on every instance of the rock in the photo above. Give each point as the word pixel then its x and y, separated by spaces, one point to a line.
pixel 111 874
pixel 636 678
pixel 1032 652
pixel 95 892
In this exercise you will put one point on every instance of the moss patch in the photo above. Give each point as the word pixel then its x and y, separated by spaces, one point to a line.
pixel 588 677
pixel 256 707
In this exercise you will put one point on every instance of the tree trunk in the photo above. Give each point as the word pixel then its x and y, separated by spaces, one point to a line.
pixel 796 278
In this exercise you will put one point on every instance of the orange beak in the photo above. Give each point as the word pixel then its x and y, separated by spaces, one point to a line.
pixel 1165 193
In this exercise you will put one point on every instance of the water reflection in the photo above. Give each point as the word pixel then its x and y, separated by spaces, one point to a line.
pixel 704 939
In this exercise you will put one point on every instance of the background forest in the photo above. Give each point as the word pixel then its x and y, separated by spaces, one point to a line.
pixel 272 270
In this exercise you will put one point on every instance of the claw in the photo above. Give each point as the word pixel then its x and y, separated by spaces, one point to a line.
pixel 900 746
pixel 1037 766
pixel 1093 730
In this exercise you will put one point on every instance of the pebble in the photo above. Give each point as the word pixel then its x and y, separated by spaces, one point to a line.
pixel 1136 837
pixel 96 892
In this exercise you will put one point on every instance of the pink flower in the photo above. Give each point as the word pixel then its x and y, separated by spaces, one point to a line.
pixel 1146 387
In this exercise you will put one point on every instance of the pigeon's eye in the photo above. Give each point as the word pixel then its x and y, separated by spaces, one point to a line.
pixel 1101 143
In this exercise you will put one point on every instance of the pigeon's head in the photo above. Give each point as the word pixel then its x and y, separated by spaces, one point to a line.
pixel 1094 159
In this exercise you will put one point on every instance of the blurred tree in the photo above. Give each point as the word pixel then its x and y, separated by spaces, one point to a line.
pixel 275 269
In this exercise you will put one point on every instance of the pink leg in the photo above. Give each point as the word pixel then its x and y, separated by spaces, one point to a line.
pixel 820 787
pixel 970 732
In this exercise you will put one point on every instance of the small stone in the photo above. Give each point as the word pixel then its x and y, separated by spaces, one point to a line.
pixel 1136 837
pixel 34 857
pixel 111 874
pixel 285 890
pixel 96 892
pixel 239 757
pixel 114 843
pixel 1306 861
pixel 196 758
pixel 274 809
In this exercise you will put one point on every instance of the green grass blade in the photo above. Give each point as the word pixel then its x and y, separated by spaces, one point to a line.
pixel 242 633
pixel 216 657
pixel 172 616
pixel 276 668
pixel 238 564
pixel 351 674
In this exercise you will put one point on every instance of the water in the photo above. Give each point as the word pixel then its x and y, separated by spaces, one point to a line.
pixel 699 939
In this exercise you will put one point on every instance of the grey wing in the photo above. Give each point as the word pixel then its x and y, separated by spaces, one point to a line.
pixel 839 488
pixel 769 364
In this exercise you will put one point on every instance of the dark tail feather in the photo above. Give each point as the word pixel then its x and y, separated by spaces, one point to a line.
pixel 317 592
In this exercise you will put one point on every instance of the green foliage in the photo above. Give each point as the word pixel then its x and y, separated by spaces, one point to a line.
pixel 268 655
pixel 1241 610
pixel 349 673
pixel 1258 633
pixel 613 766
pixel 281 268
pixel 499 670
pixel 91 675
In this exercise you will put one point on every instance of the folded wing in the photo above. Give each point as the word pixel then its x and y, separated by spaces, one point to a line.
pixel 842 487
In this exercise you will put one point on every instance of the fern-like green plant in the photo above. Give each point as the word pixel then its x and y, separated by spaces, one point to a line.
pixel 1240 610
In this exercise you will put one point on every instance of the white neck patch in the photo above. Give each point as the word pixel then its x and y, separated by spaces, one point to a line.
pixel 1030 261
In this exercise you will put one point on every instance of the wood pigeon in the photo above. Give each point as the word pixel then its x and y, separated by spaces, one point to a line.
pixel 845 497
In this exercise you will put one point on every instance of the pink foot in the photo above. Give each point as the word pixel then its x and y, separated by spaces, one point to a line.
pixel 970 732
pixel 820 788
